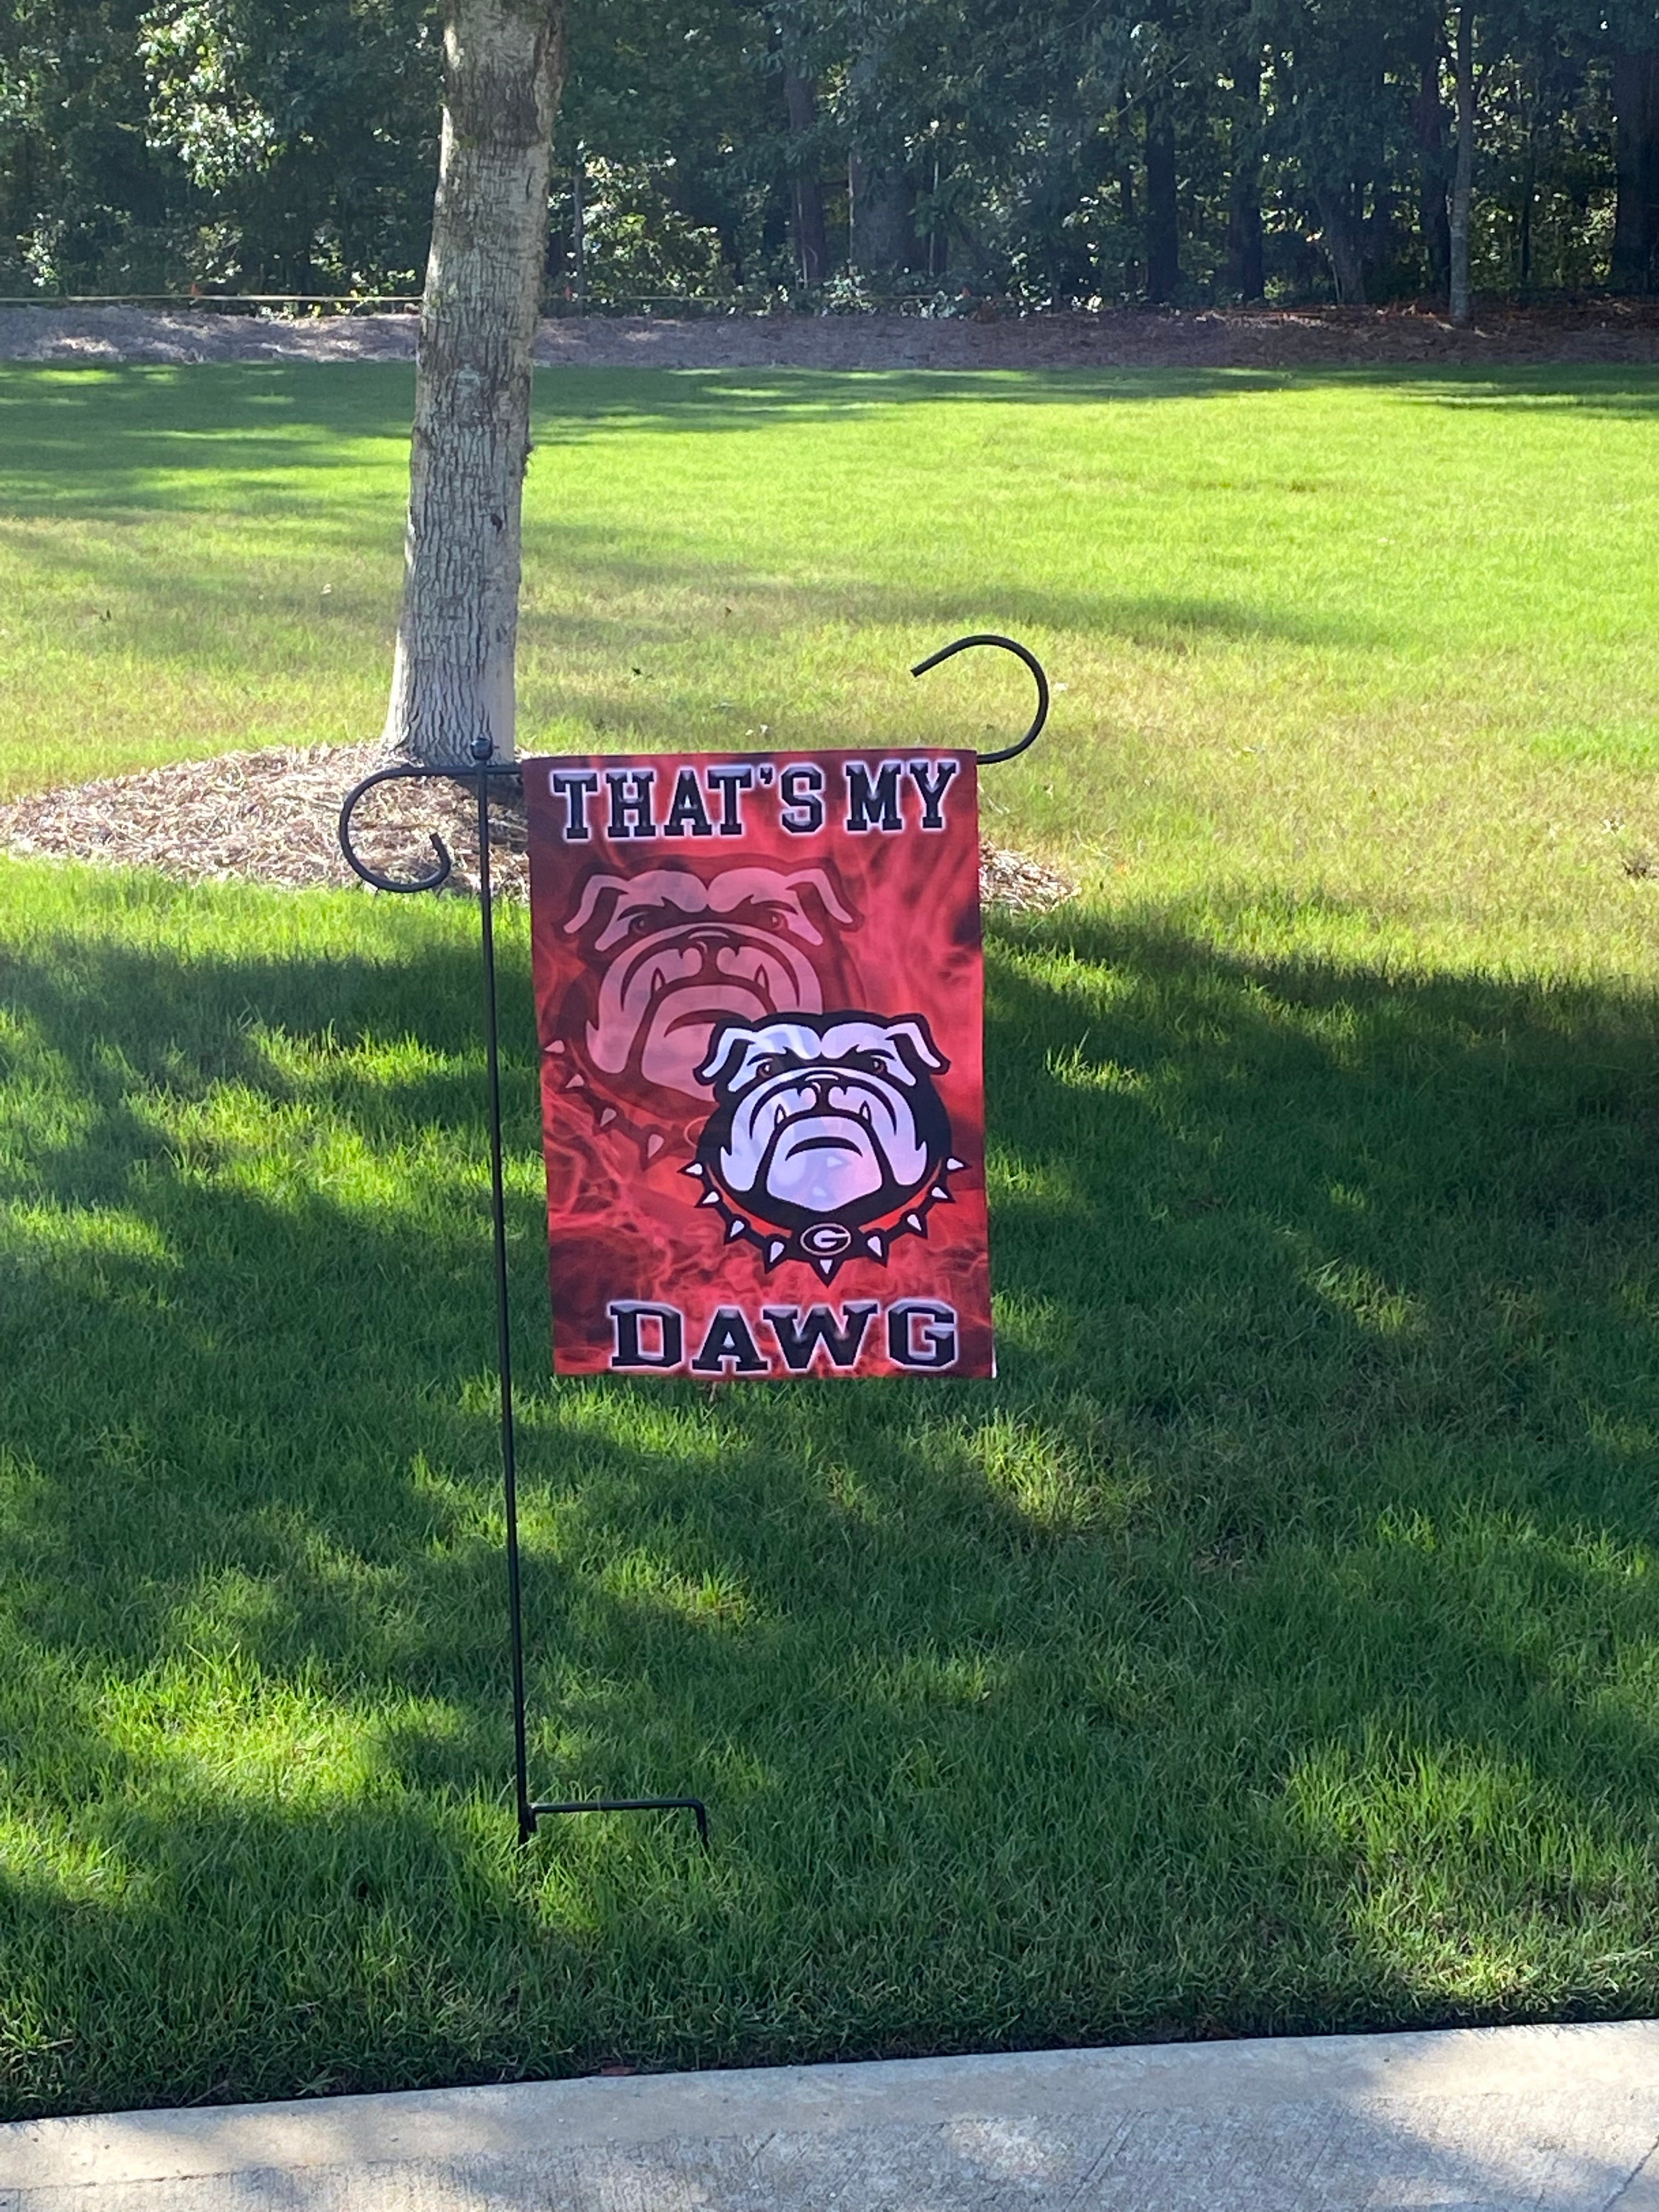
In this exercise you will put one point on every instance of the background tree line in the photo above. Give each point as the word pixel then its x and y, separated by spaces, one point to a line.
pixel 1049 151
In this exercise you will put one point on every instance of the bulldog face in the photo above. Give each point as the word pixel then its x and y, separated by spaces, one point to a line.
pixel 673 954
pixel 825 1130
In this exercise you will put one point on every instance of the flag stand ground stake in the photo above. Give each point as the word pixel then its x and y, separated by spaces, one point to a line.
pixel 481 776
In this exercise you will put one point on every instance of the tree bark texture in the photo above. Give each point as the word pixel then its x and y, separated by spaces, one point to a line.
pixel 1636 217
pixel 881 217
pixel 1163 215
pixel 1431 131
pixel 1246 268
pixel 1341 238
pixel 1462 192
pixel 806 188
pixel 881 198
pixel 453 679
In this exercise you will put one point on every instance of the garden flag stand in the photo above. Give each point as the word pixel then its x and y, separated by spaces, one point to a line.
pixel 758 994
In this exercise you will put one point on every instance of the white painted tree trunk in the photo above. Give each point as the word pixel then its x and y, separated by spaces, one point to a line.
pixel 1462 191
pixel 452 680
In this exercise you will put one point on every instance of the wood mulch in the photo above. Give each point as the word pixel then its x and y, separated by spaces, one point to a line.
pixel 271 817
pixel 1588 331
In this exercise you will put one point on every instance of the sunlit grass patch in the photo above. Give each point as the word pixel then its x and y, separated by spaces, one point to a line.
pixel 1380 645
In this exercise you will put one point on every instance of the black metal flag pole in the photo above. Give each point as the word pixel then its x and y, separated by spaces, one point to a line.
pixel 482 775
pixel 484 772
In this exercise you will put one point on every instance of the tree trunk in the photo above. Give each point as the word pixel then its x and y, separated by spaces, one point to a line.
pixel 1123 146
pixel 881 233
pixel 806 190
pixel 1162 216
pixel 1431 128
pixel 453 679
pixel 1342 245
pixel 1377 230
pixel 1123 155
pixel 579 229
pixel 1636 218
pixel 1246 269
pixel 881 200
pixel 1463 175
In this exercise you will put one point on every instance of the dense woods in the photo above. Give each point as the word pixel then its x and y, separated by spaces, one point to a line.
pixel 836 153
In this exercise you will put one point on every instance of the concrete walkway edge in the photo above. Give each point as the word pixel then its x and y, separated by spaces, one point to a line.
pixel 1544 2117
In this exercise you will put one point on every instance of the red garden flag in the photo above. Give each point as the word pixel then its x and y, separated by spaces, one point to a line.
pixel 758 989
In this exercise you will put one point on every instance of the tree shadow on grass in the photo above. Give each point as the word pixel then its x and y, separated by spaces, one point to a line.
pixel 1273 1647
pixel 146 437
pixel 614 642
pixel 604 593
pixel 157 438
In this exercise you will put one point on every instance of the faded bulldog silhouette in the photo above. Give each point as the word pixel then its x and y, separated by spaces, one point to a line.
pixel 668 956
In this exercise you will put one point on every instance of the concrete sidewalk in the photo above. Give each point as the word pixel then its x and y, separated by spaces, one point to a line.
pixel 1553 2119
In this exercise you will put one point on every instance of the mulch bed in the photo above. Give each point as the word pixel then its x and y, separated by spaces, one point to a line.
pixel 271 817
pixel 1608 330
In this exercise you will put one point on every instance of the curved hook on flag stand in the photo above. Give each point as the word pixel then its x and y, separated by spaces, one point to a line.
pixel 409 772
pixel 1020 652
pixel 484 772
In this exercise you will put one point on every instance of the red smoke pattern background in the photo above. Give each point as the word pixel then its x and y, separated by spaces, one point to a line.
pixel 762 1079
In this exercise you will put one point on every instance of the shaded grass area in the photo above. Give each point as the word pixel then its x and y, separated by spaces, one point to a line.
pixel 1275 1646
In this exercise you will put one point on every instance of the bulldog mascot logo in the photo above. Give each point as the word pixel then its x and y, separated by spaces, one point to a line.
pixel 828 1138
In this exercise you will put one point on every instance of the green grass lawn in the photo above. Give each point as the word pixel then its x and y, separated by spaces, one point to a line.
pixel 1275 1646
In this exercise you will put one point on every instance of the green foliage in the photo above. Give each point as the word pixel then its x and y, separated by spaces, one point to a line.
pixel 309 132
pixel 670 111
pixel 1545 204
pixel 223 142
pixel 85 202
pixel 1274 1646
pixel 636 242
pixel 1003 148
